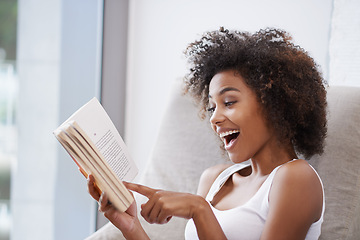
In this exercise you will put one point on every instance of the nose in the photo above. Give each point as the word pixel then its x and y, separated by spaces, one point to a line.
pixel 217 117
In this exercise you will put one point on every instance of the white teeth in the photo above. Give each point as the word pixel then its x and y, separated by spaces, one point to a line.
pixel 224 134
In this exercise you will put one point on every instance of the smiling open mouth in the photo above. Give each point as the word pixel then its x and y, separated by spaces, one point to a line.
pixel 229 136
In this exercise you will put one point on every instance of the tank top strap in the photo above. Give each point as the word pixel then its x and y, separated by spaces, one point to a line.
pixel 223 177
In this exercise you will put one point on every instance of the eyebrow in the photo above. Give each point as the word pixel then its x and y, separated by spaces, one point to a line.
pixel 227 89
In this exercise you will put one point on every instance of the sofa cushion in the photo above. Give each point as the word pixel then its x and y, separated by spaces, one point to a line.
pixel 339 166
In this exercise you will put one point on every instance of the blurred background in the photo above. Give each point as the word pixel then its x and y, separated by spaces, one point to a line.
pixel 55 55
pixel 8 98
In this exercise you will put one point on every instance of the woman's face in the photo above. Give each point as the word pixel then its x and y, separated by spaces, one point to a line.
pixel 236 116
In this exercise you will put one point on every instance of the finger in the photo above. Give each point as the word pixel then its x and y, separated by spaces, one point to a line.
pixel 121 220
pixel 92 189
pixel 146 210
pixel 154 211
pixel 141 189
pixel 153 214
pixel 160 199
pixel 112 214
pixel 159 213
pixel 104 203
pixel 163 218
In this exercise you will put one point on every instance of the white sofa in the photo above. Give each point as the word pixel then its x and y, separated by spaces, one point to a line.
pixel 186 146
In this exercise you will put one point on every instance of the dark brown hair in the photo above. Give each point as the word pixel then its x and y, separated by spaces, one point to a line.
pixel 284 77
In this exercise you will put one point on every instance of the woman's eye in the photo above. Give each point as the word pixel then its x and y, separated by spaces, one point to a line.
pixel 228 104
pixel 211 110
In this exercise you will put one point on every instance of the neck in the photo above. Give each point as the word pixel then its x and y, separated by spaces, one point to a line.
pixel 265 161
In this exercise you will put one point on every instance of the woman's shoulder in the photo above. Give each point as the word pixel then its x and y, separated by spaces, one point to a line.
pixel 295 182
pixel 208 177
pixel 297 172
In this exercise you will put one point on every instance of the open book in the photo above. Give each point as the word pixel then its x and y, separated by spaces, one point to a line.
pixel 91 139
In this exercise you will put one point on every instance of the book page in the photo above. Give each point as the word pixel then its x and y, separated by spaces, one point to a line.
pixel 94 121
pixel 80 138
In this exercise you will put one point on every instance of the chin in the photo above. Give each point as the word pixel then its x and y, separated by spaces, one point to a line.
pixel 237 159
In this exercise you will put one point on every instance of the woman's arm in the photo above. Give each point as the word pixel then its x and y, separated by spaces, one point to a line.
pixel 163 205
pixel 295 202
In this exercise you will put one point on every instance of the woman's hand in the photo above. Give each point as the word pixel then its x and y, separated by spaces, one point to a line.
pixel 127 222
pixel 162 205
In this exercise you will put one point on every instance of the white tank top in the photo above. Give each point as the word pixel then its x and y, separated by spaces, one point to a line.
pixel 248 220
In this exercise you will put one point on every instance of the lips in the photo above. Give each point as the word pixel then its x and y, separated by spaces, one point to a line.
pixel 229 138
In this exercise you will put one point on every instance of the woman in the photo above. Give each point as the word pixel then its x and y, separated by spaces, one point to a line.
pixel 267 102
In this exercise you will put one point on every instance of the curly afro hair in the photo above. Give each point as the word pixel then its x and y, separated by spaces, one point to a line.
pixel 284 77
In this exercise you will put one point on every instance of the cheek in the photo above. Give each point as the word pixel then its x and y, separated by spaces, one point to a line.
pixel 261 131
pixel 250 124
pixel 241 118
